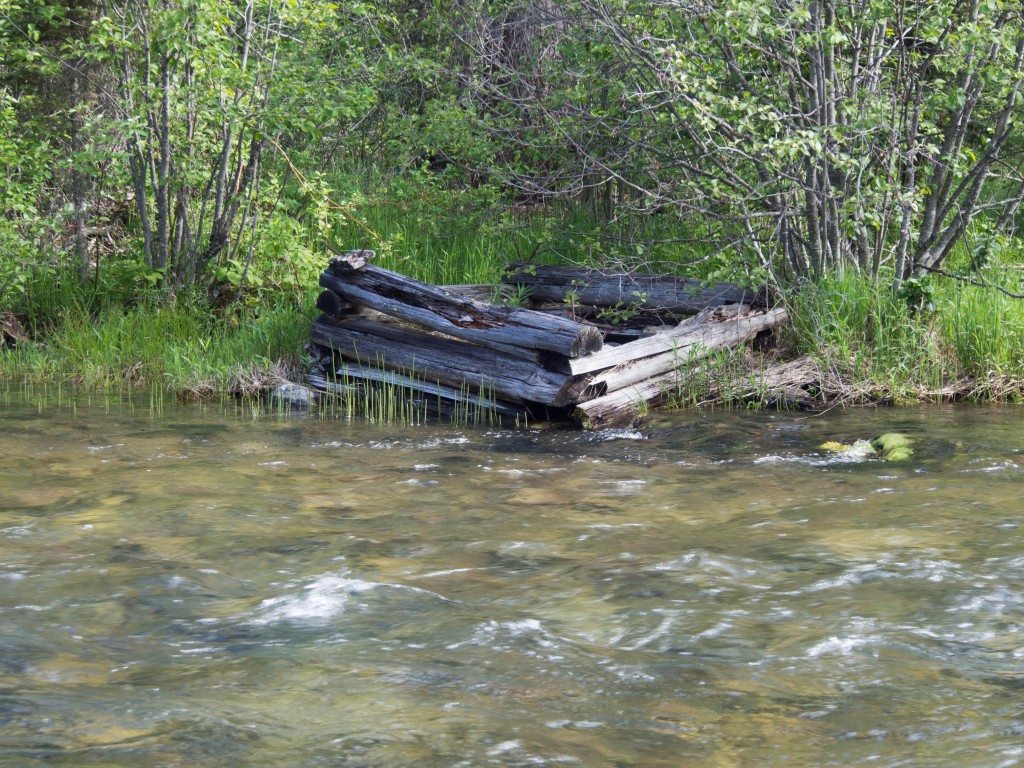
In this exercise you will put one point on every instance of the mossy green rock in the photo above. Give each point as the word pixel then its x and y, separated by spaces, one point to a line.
pixel 898 454
pixel 860 448
pixel 894 446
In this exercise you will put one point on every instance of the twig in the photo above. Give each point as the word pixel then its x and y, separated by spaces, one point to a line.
pixel 972 281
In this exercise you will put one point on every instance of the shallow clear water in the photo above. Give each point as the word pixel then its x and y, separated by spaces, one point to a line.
pixel 195 588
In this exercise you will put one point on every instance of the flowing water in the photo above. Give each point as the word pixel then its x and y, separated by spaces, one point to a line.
pixel 198 588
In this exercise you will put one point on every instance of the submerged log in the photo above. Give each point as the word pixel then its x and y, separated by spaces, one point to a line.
pixel 463 318
pixel 446 361
pixel 677 295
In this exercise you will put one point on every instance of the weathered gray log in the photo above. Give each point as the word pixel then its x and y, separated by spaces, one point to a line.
pixel 784 385
pixel 474 321
pixel 535 356
pixel 623 391
pixel 667 340
pixel 625 405
pixel 678 295
pixel 476 291
pixel 445 361
pixel 351 259
pixel 700 339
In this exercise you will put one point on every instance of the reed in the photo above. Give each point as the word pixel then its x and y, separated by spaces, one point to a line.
pixel 182 349
pixel 983 327
pixel 866 333
pixel 724 378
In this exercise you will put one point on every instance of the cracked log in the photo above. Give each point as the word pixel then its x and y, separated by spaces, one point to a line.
pixel 437 360
pixel 617 395
pixel 677 295
pixel 463 318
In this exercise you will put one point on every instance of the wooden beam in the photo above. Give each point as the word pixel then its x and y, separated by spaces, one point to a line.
pixel 474 321
pixel 620 394
pixel 445 361
pixel 678 295
pixel 701 339
pixel 663 341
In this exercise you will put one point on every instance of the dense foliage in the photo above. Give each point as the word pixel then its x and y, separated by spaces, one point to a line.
pixel 150 148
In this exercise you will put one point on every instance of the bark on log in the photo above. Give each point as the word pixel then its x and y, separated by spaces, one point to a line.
pixel 446 361
pixel 350 260
pixel 440 310
pixel 678 295
pixel 538 357
pixel 331 304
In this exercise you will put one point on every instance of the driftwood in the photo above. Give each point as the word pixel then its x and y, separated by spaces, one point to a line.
pixel 443 311
pixel 700 339
pixel 441 345
pixel 677 295
pixel 618 395
pixel 446 361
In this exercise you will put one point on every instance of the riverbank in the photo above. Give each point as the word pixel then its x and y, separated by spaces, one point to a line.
pixel 850 342
pixel 185 350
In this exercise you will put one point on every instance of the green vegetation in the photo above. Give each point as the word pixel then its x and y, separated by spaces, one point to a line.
pixel 182 349
pixel 892 446
pixel 174 174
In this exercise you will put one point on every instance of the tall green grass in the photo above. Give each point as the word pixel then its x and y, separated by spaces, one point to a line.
pixel 183 349
pixel 862 330
pixel 983 328
pixel 445 236
pixel 964 341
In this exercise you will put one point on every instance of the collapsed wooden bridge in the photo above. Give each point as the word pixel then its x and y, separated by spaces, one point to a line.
pixel 556 359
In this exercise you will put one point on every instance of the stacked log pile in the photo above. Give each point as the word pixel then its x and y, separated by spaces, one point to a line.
pixel 380 326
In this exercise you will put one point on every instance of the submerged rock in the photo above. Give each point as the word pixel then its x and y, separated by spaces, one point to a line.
pixel 291 395
pixel 892 446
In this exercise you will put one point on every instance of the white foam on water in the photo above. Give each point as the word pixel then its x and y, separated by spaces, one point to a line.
pixel 319 601
pixel 837 646
pixel 494 634
pixel 324 599
pixel 504 748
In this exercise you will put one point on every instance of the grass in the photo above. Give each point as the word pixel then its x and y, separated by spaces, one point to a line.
pixel 963 342
pixel 967 342
pixel 182 349
pixel 984 328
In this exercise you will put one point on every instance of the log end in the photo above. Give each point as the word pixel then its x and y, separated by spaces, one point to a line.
pixel 589 339
pixel 332 305
pixel 349 262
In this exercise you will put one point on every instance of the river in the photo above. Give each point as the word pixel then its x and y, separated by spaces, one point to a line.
pixel 192 586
